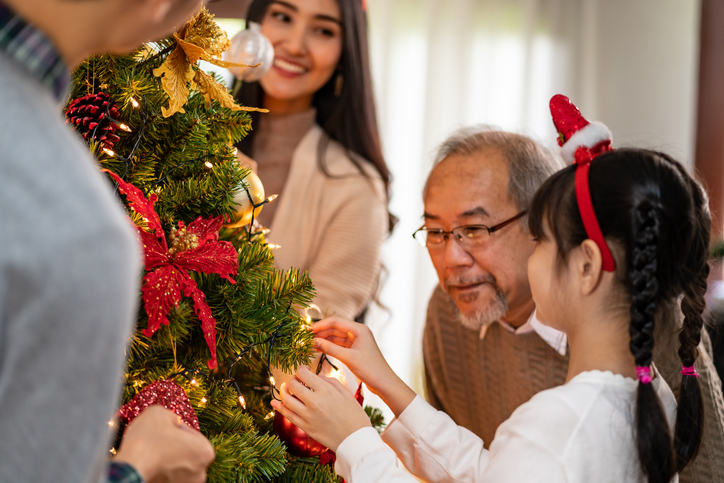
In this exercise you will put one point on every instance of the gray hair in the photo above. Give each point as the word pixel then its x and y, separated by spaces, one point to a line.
pixel 529 163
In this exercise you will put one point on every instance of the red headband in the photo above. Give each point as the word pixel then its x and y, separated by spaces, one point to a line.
pixel 581 142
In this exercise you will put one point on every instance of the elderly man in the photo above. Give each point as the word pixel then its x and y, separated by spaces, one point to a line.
pixel 485 352
pixel 70 261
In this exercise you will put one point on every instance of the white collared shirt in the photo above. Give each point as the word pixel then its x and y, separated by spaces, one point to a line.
pixel 553 337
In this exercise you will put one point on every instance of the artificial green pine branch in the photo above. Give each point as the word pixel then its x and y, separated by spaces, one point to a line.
pixel 376 418
pixel 717 251
pixel 188 162
pixel 307 470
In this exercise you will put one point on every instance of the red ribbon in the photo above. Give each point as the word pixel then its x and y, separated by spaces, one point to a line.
pixel 584 156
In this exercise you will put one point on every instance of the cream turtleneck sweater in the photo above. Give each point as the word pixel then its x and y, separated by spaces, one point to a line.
pixel 331 225
pixel 276 139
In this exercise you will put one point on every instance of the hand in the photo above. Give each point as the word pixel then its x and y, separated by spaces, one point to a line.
pixel 163 449
pixel 322 407
pixel 354 345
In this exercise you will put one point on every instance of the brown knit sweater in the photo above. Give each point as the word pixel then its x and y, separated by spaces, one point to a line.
pixel 479 383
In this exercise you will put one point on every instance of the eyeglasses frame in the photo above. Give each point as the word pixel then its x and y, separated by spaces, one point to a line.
pixel 491 229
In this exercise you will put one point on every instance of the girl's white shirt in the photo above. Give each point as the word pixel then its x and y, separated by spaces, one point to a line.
pixel 581 431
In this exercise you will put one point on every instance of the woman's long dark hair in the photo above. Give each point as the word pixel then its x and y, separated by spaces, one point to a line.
pixel 656 218
pixel 348 118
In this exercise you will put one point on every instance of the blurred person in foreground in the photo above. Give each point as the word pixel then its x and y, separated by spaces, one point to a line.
pixel 70 261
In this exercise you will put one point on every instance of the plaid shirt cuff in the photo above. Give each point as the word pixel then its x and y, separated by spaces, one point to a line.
pixel 123 473
pixel 34 50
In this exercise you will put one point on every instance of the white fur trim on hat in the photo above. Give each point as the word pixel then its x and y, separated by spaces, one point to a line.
pixel 589 136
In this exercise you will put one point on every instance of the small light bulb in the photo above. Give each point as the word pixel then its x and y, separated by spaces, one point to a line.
pixel 272 198
pixel 272 381
pixel 236 151
pixel 204 400
pixel 208 164
pixel 124 127
pixel 111 423
pixel 109 152
pixel 194 383
pixel 274 246
pixel 269 416
pixel 135 103
pixel 242 401
pixel 113 451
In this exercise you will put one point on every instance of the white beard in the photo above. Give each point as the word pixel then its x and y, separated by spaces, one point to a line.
pixel 485 316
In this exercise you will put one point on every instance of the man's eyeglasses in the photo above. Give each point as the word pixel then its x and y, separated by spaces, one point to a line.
pixel 469 236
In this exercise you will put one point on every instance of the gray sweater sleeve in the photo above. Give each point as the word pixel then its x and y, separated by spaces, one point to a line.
pixel 69 268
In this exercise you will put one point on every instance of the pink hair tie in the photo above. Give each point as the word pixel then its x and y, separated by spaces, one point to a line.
pixel 689 371
pixel 644 374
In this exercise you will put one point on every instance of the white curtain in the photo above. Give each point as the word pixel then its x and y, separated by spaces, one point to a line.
pixel 441 64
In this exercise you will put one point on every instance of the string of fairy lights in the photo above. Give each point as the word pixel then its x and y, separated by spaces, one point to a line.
pixel 252 230
pixel 191 375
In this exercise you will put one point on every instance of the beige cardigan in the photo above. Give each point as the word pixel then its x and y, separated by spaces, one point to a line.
pixel 333 227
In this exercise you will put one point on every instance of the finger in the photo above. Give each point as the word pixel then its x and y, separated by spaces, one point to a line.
pixel 287 413
pixel 296 388
pixel 290 400
pixel 310 380
pixel 334 322
pixel 185 427
pixel 336 384
pixel 345 340
pixel 326 327
pixel 332 333
pixel 205 451
pixel 334 350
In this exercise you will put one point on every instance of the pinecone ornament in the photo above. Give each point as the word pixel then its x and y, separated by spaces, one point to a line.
pixel 94 116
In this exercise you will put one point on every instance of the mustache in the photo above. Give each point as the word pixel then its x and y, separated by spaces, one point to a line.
pixel 463 279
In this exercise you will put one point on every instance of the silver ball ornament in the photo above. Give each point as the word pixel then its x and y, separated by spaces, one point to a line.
pixel 250 47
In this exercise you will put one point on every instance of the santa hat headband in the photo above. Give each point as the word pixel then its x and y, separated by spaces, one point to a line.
pixel 581 141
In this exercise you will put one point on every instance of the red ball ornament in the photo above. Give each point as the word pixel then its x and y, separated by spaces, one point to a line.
pixel 297 441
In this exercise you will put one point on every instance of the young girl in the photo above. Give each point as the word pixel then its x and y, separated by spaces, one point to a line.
pixel 318 148
pixel 616 244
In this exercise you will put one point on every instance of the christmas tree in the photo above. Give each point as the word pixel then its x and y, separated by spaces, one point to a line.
pixel 215 313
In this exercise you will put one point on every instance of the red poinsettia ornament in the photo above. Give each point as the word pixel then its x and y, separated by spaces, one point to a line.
pixel 196 247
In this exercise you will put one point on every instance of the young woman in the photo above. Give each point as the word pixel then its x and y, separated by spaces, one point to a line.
pixel 615 419
pixel 318 148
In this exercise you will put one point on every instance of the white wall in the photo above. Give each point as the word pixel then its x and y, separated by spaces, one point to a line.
pixel 643 80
